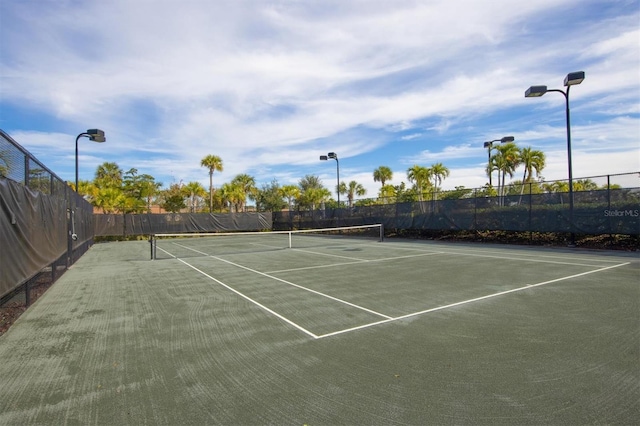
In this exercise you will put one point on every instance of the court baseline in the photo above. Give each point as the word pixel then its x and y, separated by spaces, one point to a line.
pixel 386 318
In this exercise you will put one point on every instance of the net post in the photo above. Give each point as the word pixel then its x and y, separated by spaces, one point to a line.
pixel 381 232
pixel 152 245
pixel 290 246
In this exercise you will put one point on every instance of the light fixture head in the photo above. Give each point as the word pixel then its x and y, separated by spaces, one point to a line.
pixel 535 91
pixel 487 144
pixel 507 139
pixel 96 135
pixel 574 78
pixel 332 155
pixel 323 157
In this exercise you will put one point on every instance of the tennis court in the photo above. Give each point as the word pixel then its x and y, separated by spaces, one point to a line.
pixel 329 329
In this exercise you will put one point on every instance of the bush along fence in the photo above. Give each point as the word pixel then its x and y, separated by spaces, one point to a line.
pixel 609 210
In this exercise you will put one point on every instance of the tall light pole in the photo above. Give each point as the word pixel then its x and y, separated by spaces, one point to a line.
pixel 335 157
pixel 489 146
pixel 572 79
pixel 96 135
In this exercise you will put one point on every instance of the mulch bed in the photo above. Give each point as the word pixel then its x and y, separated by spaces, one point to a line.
pixel 12 308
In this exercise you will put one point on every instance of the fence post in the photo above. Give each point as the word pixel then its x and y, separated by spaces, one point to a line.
pixel 609 207
pixel 475 210
pixel 530 215
pixel 69 226
pixel 26 171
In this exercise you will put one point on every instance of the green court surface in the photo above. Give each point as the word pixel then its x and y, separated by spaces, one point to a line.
pixel 346 332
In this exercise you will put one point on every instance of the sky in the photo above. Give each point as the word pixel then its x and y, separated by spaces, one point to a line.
pixel 269 86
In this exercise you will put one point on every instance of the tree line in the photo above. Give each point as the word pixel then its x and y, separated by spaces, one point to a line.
pixel 116 191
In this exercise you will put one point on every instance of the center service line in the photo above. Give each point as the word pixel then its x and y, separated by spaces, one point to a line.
pixel 289 283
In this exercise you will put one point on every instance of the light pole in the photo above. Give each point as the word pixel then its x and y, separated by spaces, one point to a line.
pixel 96 135
pixel 571 79
pixel 335 157
pixel 489 146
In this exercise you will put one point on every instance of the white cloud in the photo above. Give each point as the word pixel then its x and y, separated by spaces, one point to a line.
pixel 269 86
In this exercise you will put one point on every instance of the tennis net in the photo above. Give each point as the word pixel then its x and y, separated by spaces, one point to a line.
pixel 221 243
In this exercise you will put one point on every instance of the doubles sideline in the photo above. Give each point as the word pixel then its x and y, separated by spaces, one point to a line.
pixel 384 318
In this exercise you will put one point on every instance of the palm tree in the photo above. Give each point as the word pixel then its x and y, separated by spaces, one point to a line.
pixel 419 176
pixel 194 191
pixel 584 185
pixel 247 184
pixel 87 189
pixel 531 159
pixel 108 175
pixel 352 190
pixel 439 172
pixel 387 193
pixel 291 193
pixel 213 163
pixel 558 187
pixel 312 191
pixel 149 189
pixel 110 200
pixel 314 196
pixel 232 195
pixel 382 174
pixel 309 182
pixel 505 161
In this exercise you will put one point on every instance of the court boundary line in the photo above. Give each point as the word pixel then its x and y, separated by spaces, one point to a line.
pixel 386 259
pixel 426 253
pixel 387 319
pixel 465 302
pixel 495 254
pixel 353 305
pixel 244 296
pixel 490 256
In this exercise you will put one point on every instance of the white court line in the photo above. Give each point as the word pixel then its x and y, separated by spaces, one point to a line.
pixel 330 255
pixel 387 319
pixel 286 282
pixel 495 254
pixel 524 257
pixel 244 296
pixel 386 259
pixel 464 302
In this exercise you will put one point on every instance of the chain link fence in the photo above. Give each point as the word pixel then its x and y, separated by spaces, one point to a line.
pixel 607 204
pixel 44 225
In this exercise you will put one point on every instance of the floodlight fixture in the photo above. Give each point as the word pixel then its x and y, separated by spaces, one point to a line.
pixel 95 135
pixel 489 146
pixel 535 91
pixel 572 79
pixel 334 156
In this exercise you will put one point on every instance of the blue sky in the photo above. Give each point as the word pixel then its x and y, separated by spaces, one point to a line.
pixel 269 86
